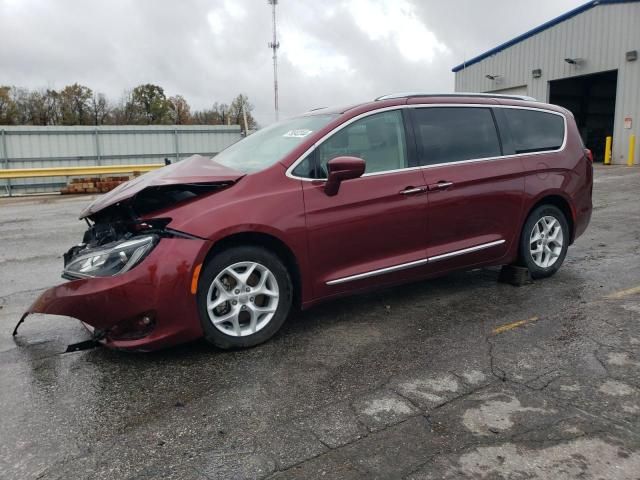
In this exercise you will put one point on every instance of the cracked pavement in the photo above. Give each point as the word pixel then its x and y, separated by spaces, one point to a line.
pixel 456 377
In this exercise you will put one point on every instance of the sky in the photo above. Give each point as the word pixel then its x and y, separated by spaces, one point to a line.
pixel 332 52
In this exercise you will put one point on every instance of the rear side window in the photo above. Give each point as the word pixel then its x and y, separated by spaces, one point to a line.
pixel 534 131
pixel 452 134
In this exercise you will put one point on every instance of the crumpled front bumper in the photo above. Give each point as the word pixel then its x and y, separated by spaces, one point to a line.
pixel 159 287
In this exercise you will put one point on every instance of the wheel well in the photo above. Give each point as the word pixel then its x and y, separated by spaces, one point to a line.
pixel 272 244
pixel 562 204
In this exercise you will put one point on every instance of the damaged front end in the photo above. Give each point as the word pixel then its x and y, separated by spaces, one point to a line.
pixel 131 278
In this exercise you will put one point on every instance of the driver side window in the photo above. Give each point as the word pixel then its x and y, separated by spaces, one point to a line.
pixel 378 139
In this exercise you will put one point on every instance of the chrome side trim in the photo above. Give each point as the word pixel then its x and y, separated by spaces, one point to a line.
pixel 455 253
pixel 289 170
pixel 382 271
pixel 416 263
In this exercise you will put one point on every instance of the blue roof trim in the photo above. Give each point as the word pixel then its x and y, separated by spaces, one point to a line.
pixel 544 26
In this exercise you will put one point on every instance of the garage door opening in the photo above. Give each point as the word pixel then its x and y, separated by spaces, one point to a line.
pixel 592 100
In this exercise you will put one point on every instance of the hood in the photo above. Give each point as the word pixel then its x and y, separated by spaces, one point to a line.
pixel 193 171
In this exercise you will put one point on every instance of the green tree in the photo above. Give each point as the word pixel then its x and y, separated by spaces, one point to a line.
pixel 75 105
pixel 149 105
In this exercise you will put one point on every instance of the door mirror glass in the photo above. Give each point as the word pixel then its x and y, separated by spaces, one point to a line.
pixel 341 169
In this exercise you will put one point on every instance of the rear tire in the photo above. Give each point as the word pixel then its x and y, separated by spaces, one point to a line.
pixel 544 241
pixel 244 296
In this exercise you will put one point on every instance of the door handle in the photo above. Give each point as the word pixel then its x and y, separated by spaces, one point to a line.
pixel 439 186
pixel 413 190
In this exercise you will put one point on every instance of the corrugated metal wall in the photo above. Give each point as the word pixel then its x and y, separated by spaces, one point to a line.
pixel 36 147
pixel 601 36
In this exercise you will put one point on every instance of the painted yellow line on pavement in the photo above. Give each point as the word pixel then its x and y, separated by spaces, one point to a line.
pixel 624 293
pixel 510 326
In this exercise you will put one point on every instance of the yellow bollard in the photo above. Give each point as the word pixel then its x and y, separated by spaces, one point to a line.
pixel 607 151
pixel 632 150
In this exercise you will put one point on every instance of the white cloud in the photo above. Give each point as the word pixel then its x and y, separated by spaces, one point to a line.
pixel 396 21
pixel 310 55
pixel 216 22
pixel 235 9
pixel 220 19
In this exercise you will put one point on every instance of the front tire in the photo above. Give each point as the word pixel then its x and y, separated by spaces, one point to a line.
pixel 544 241
pixel 244 297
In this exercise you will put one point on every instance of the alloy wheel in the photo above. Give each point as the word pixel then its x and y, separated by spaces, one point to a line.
pixel 546 241
pixel 242 299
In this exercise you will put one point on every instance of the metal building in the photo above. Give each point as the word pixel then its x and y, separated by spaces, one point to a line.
pixel 585 60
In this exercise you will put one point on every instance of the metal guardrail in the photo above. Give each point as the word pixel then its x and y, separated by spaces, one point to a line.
pixel 73 171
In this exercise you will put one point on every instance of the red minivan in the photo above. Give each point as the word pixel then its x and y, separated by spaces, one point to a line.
pixel 329 203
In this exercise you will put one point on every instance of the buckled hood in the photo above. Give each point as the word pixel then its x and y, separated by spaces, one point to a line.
pixel 194 170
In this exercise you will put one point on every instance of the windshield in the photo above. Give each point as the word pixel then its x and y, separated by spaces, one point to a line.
pixel 269 145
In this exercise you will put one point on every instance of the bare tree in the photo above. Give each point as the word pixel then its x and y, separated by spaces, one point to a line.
pixel 236 112
pixel 8 107
pixel 99 108
pixel 37 107
pixel 180 110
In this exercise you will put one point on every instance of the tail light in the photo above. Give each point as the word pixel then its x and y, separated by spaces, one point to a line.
pixel 589 154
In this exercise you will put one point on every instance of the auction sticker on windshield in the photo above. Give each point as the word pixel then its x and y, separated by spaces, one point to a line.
pixel 299 133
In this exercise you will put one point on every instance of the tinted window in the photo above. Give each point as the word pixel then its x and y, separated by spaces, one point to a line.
pixel 452 134
pixel 378 139
pixel 306 168
pixel 534 131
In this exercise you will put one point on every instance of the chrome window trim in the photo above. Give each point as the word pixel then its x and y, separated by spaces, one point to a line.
pixel 415 263
pixel 289 171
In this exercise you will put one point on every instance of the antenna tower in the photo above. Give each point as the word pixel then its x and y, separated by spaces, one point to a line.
pixel 274 46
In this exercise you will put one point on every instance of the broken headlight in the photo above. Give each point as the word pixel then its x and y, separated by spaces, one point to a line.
pixel 110 259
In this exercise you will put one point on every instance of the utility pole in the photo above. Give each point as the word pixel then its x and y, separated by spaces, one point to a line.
pixel 274 46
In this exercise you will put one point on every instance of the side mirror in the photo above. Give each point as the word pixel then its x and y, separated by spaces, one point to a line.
pixel 341 169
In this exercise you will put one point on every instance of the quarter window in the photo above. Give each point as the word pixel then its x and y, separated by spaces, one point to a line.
pixel 452 134
pixel 378 139
pixel 534 131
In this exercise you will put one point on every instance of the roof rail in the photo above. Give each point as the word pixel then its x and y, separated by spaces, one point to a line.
pixel 457 94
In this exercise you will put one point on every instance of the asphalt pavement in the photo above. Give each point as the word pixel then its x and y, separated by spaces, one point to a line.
pixel 456 377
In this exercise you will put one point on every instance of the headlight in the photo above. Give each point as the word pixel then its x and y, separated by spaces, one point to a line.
pixel 110 259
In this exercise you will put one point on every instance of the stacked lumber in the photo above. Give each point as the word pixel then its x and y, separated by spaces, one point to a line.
pixel 93 185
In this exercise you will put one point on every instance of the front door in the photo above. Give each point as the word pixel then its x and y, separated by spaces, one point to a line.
pixel 372 232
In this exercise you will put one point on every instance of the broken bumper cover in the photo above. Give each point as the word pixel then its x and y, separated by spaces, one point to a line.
pixel 158 291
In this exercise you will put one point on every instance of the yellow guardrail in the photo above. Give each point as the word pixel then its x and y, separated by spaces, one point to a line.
pixel 75 171
pixel 632 150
